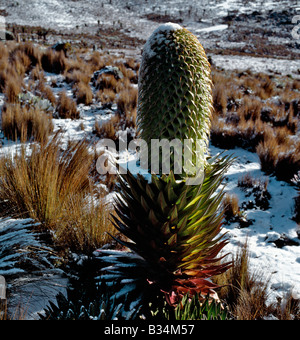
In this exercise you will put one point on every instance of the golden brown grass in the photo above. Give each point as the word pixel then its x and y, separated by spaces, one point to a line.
pixel 246 292
pixel 108 129
pixel 18 122
pixel 41 184
pixel 12 89
pixel 37 73
pixel 47 93
pixel 106 81
pixel 87 224
pixel 66 107
pixel 54 187
pixel 243 292
pixel 54 62
pixel 279 156
pixel 258 112
pixel 75 76
pixel 230 206
pixel 106 96
pixel 83 93
pixel 127 100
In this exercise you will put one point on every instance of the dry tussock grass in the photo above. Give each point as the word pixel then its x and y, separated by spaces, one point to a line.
pixel 230 206
pixel 106 97
pixel 53 187
pixel 54 62
pixel 83 93
pixel 66 107
pixel 246 292
pixel 260 113
pixel 19 122
pixel 108 129
pixel 46 92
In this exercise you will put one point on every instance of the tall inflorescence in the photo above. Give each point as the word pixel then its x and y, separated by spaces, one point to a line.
pixel 175 91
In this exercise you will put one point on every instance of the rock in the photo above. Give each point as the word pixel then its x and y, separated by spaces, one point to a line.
pixel 298 232
pixel 6 35
pixel 65 47
pixel 280 240
pixel 113 70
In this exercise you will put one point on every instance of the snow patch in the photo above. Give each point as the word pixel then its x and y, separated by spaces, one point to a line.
pixel 159 36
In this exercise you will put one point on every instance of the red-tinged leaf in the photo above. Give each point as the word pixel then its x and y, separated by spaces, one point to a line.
pixel 162 203
pixel 173 215
pixel 153 219
pixel 144 204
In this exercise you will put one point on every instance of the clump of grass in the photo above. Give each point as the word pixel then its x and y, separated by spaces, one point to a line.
pixel 281 160
pixel 41 184
pixel 106 97
pixel 54 62
pixel 246 294
pixel 32 52
pixel 66 107
pixel 220 93
pixel 106 81
pixel 231 206
pixel 37 73
pixel 75 76
pixel 18 122
pixel 127 100
pixel 12 89
pixel 83 94
pixel 243 291
pixel 46 92
pixel 55 188
pixel 87 225
pixel 108 129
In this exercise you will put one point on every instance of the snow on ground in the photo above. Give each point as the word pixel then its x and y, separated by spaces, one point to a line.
pixel 279 265
pixel 129 15
pixel 256 65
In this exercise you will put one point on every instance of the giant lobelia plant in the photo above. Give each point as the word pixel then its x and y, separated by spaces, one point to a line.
pixel 174 229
